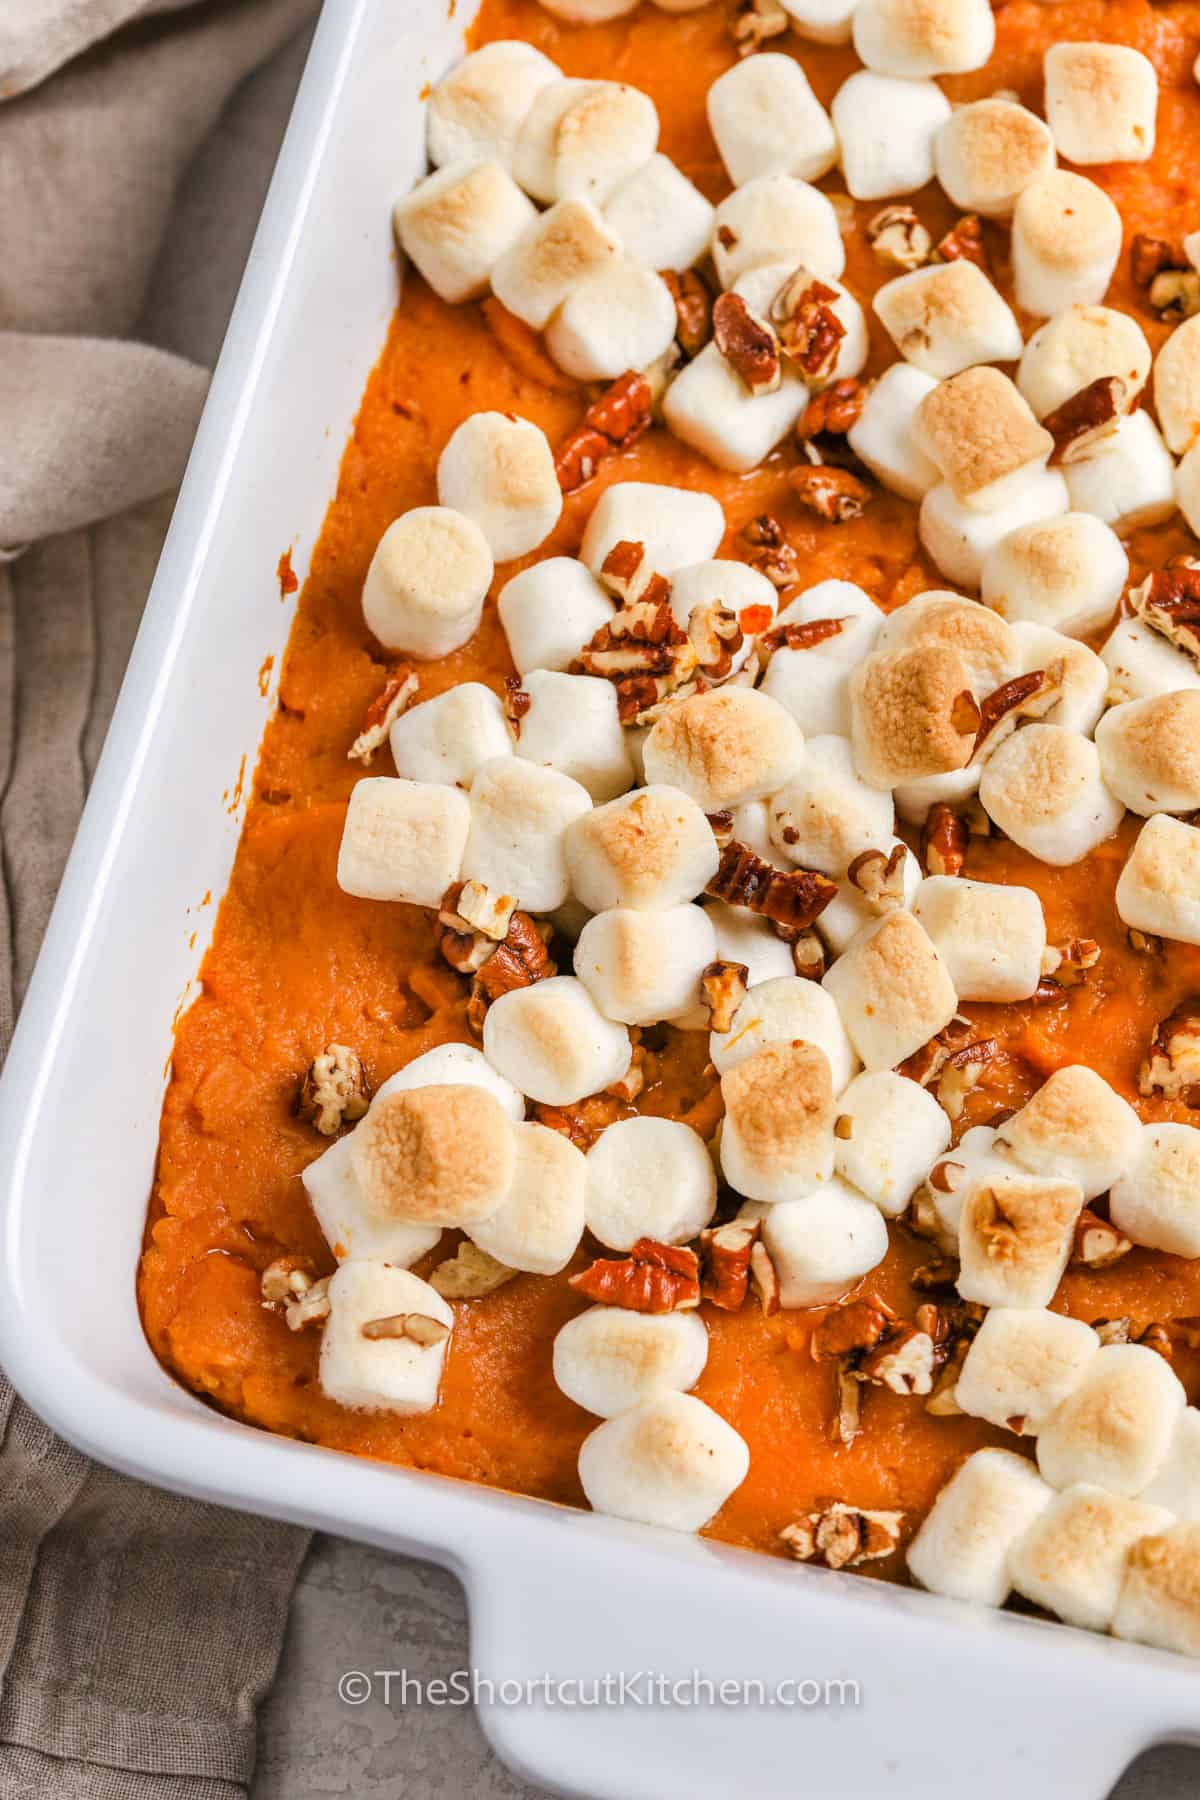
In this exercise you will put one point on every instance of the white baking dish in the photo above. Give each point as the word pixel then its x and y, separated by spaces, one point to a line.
pixel 988 1703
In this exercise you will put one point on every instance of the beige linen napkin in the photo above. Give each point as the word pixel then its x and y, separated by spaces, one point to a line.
pixel 138 1630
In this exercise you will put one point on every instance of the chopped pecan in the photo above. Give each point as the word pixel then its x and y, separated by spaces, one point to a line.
pixel 725 1252
pixel 748 345
pixel 334 1092
pixel 796 897
pixel 397 693
pixel 1149 256
pixel 715 634
pixel 833 494
pixel 753 22
pixel 418 1328
pixel 799 635
pixel 1028 696
pixel 773 556
pixel 463 948
pixel 476 908
pixel 1098 1243
pixel 642 1067
pixel 1172 1065
pixel 963 1070
pixel 943 1401
pixel 645 654
pixel 810 332
pixel 287 1278
pixel 843 1127
pixel 469 1274
pixel 927 1063
pixel 1169 602
pixel 516 703
pixel 1157 1337
pixel 842 1536
pixel 1082 422
pixel 523 958
pixel 693 309
pixel 950 1329
pixel 1144 943
pixel 902 1361
pixel 808 955
pixel 964 243
pixel 764 1279
pixel 1113 1331
pixel 622 414
pixel 834 410
pixel 847 1415
pixel 586 1120
pixel 1175 294
pixel 941 1272
pixel 879 877
pixel 629 574
pixel 721 826
pixel 856 1325
pixel 579 456
pixel 898 238
pixel 312 1307
pixel 653 1278
pixel 722 989
pixel 1067 965
pixel 945 839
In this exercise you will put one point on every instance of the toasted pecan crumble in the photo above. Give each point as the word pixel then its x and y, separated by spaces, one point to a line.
pixel 843 1536
pixel 748 345
pixel 335 1090
pixel 794 897
pixel 1171 1066
pixel 397 694
pixel 653 1278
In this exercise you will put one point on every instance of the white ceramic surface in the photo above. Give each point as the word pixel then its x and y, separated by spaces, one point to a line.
pixel 989 1704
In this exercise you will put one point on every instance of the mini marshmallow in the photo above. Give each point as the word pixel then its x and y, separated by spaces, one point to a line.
pixel 947 316
pixel 784 1011
pixel 769 290
pixel 719 582
pixel 350 1226
pixel 821 21
pixel 883 438
pixel 776 218
pixel 1072 1559
pixel 476 110
pixel 724 747
pixel 1187 485
pixel 499 471
pixel 1159 1602
pixel 641 967
pixel 671 1461
pixel 588 12
pixel 649 1178
pixel 608 1359
pixel 958 538
pixel 455 1065
pixel 1150 752
pixel 623 317
pixel 580 140
pixel 822 1245
pixel 1015 1233
pixel 458 223
pixel 550 611
pixel 661 218
pixel 384 1374
pixel 915 798
pixel 975 1158
pixel 751 826
pixel 813 683
pixel 571 724
pixel 951 622
pixel 1177 386
pixel 742 937
pixel 887 130
pixel 990 935
pixel 550 1041
pixel 1141 662
pixel 908 715
pixel 1084 690
pixel 777 1138
pixel 767 121
pixel 963 1546
pixel 938 37
pixel 826 816
pixel 402 840
pixel 1022 1365
pixel 1129 480
pixel 1066 238
pixel 1115 1426
pixel 1159 888
pixel 850 910
pixel 988 151
pixel 857 614
pixel 1045 790
pixel 426 583
pixel 1081 345
pixel 981 434
pixel 1156 1202
pixel 1101 102
pixel 447 738
pixel 888 1134
pixel 677 526
pixel 892 989
pixel 519 817
pixel 1177 1484
pixel 537 1228
pixel 1067 573
pixel 434 1155
pixel 648 850
pixel 559 249
pixel 1076 1127
pixel 709 406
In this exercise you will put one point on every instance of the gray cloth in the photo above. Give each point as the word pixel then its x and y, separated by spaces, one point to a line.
pixel 138 1630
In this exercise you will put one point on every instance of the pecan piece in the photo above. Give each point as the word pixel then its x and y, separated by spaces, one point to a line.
pixel 945 839
pixel 622 414
pixel 799 635
pixel 963 1070
pixel 1144 943
pixel 1149 256
pixel 693 309
pixel 964 243
pixel 764 1279
pixel 1067 965
pixel 517 702
pixel 1085 419
pixel 773 556
pixel 653 1278
pixel 834 410
pixel 334 1092
pixel 287 1278
pixel 902 1361
pixel 748 345
pixel 627 573
pixel 879 878
pixel 1172 1065
pixel 644 653
pixel 833 494
pixel 715 634
pixel 725 1252
pixel 586 1120
pixel 1098 1244
pixel 927 1063
pixel 1028 696
pixel 842 1536
pixel 755 21
pixel 797 897
pixel 1169 602
pixel 854 1326
pixel 1175 294
pixel 523 958
pixel 418 1328
pixel 476 908
pixel 722 989
pixel 898 238
pixel 579 456
pixel 397 694
pixel 808 955
pixel 469 1274
pixel 810 332
pixel 847 1416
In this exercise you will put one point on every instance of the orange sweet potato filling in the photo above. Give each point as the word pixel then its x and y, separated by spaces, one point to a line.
pixel 295 963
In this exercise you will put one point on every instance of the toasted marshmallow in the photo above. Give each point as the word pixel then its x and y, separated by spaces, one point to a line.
pixel 724 747
pixel 887 1136
pixel 958 538
pixel 550 611
pixel 648 850
pixel 775 291
pixel 709 406
pixel 1187 488
pixel 434 1155
pixel 649 1178
pixel 1081 345
pixel 571 724
pixel 1045 790
pixel 1177 1484
pixel 640 967
pixel 1075 1127
pixel 1101 102
pixel 822 21
pixel 1084 677
pixel 908 716
pixel 670 1461
pixel 1159 888
pixel 850 910
pixel 1072 1559
pixel 950 621
pixel 1159 1602
pixel 784 1011
pixel 447 738
pixel 939 37
pixel 1150 752
pixel 822 1245
pixel 351 1227
pixel 1066 238
pixel 499 471
pixel 661 218
pixel 1156 1202
pixel 1177 386
pixel 963 1546
pixel 1129 480
pixel 990 935
pixel 974 1159
pixel 427 581
pixel 519 817
pixel 1115 1426
pixel 915 798
pixel 399 1374
pixel 1015 1233
pixel 945 317
pixel 887 130
pixel 550 1041
pixel 859 618
pixel 1022 1365
pixel 1067 573
pixel 892 989
pixel 475 112
pixel 402 840
pixel 608 1359
pixel 622 317
pixel 580 140
pixel 742 937
pixel 767 121
pixel 826 816
pixel 719 582
pixel 458 223
pixel 460 1065
pixel 675 525
pixel 538 1226
pixel 883 435
pixel 558 250
pixel 982 436
pixel 777 1138
pixel 989 151
pixel 1141 662
pixel 776 218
